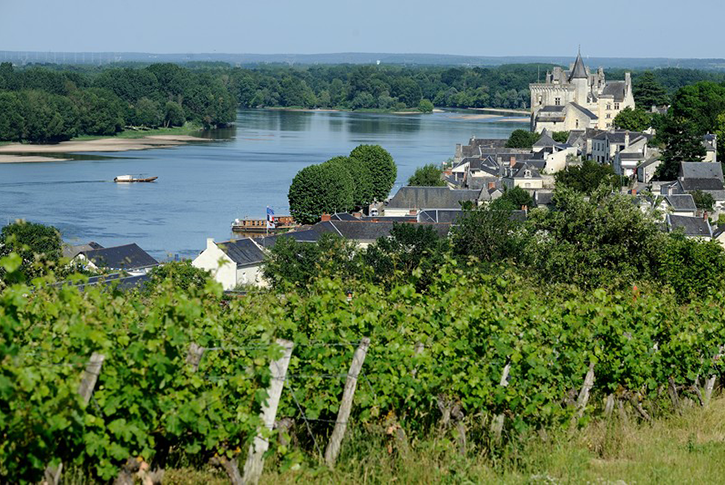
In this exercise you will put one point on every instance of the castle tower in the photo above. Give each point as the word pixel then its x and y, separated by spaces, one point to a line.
pixel 580 79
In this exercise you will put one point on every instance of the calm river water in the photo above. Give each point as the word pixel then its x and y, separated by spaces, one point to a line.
pixel 202 187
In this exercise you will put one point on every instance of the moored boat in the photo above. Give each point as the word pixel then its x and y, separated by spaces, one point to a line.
pixel 131 178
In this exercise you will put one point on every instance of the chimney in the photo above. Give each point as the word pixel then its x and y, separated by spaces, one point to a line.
pixel 634 191
pixel 491 185
pixel 325 218
pixel 357 215
pixel 512 162
pixel 210 242
pixel 626 139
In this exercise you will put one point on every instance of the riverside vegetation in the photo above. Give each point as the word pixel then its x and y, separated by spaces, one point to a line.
pixel 54 103
pixel 590 287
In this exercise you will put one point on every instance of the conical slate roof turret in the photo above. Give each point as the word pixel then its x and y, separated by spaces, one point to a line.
pixel 579 71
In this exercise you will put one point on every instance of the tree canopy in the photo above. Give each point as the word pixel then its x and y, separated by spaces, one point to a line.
pixel 429 175
pixel 587 177
pixel 633 119
pixel 522 139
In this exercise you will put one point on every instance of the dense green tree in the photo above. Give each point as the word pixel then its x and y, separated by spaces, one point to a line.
pixel 182 274
pixel 429 175
pixel 100 111
pixel 700 104
pixel 513 199
pixel 683 143
pixel 412 251
pixel 48 118
pixel 320 189
pixel 39 247
pixel 633 119
pixel 560 136
pixel 587 177
pixel 361 183
pixel 295 264
pixel 425 106
pixel 147 113
pixel 11 117
pixel 649 92
pixel 522 139
pixel 489 234
pixel 174 114
pixel 379 167
pixel 703 200
pixel 597 240
pixel 693 268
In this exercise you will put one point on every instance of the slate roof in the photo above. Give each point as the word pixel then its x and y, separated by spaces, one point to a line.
pixel 578 71
pixel 526 166
pixel 701 170
pixel 71 252
pixel 542 197
pixel 545 140
pixel 692 226
pixel 243 252
pixel 445 216
pixel 681 202
pixel 120 282
pixel 431 198
pixel 127 257
pixel 586 112
pixel 553 109
pixel 616 89
pixel 701 184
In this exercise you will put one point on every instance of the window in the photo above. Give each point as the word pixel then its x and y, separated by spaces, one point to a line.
pixel 609 106
pixel 609 115
pixel 540 99
pixel 527 174
pixel 577 123
pixel 557 101
pixel 616 105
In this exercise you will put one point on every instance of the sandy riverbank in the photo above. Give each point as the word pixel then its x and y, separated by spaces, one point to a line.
pixel 28 159
pixel 15 150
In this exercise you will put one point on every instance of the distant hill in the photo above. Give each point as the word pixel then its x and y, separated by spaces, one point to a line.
pixel 350 58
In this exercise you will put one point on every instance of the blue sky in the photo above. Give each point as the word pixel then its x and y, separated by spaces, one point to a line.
pixel 611 28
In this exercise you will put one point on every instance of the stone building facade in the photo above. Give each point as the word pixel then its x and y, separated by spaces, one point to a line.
pixel 578 99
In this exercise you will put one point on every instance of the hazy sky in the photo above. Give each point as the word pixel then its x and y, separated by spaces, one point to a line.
pixel 610 28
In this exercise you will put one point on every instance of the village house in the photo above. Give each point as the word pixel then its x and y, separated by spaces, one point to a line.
pixel 678 204
pixel 526 177
pixel 578 99
pixel 129 258
pixel 694 227
pixel 232 263
pixel 702 176
pixel 410 200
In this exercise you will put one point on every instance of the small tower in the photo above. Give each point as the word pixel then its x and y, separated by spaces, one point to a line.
pixel 580 79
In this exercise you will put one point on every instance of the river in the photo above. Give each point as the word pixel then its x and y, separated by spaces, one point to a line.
pixel 203 186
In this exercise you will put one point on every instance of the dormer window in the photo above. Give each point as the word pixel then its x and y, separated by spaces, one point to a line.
pixel 557 101
pixel 527 174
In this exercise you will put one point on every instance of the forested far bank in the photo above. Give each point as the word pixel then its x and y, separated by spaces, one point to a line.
pixel 51 104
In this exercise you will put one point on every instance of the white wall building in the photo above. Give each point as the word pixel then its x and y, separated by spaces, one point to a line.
pixel 233 263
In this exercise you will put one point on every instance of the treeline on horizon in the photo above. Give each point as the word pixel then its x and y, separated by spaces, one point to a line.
pixel 55 103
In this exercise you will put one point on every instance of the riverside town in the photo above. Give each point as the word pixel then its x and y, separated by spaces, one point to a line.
pixel 478 262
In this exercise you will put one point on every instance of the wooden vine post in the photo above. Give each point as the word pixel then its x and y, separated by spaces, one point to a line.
pixel 583 399
pixel 85 390
pixel 333 447
pixel 497 423
pixel 255 458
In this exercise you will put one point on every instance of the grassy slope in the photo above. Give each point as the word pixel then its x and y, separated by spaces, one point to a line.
pixel 681 449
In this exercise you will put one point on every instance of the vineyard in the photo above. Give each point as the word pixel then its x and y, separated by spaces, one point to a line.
pixel 482 358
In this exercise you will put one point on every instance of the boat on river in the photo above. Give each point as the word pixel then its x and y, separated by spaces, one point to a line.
pixel 131 178
pixel 276 225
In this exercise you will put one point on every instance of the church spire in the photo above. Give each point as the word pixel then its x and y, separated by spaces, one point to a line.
pixel 579 71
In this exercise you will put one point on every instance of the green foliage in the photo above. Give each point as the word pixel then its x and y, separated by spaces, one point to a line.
pixel 601 241
pixel 690 266
pixel 489 234
pixel 181 274
pixel 683 143
pixel 648 92
pixel 296 264
pixel 633 119
pixel 425 106
pixel 39 247
pixel 703 200
pixel 429 175
pixel 522 139
pixel 379 167
pixel 320 189
pixel 560 136
pixel 513 199
pixel 587 177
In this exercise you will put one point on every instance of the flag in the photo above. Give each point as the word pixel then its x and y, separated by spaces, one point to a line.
pixel 270 218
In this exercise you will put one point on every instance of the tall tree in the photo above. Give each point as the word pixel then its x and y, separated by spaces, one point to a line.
pixel 427 176
pixel 522 139
pixel 683 143
pixel 648 92
pixel 633 119
pixel 320 189
pixel 587 177
pixel 380 167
